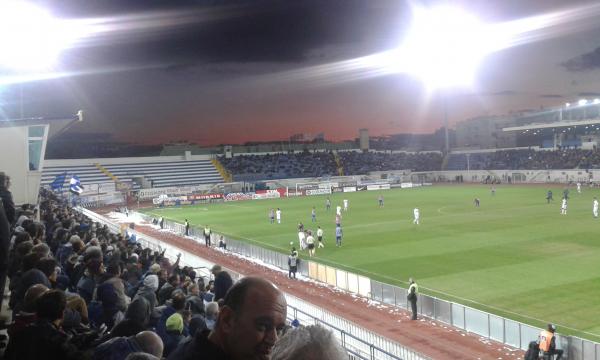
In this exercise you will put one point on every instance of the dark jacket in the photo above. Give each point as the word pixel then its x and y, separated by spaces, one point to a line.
pixel 43 340
pixel 198 347
pixel 195 304
pixel 223 282
pixel 171 341
pixel 8 204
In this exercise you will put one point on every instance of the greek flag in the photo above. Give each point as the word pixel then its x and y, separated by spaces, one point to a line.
pixel 58 182
pixel 75 185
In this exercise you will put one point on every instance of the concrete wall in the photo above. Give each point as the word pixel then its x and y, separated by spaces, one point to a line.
pixel 14 161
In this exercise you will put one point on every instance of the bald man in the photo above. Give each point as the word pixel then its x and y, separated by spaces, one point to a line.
pixel 249 324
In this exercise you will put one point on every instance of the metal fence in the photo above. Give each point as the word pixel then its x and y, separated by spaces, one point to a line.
pixel 494 327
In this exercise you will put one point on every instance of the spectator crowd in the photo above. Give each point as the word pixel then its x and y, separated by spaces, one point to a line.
pixel 527 160
pixel 78 291
pixel 319 164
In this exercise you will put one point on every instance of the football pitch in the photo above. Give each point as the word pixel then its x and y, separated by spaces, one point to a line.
pixel 514 256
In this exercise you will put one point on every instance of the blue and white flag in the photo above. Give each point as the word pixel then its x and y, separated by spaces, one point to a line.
pixel 59 181
pixel 75 185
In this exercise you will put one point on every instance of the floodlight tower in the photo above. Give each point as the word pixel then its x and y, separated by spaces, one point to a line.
pixel 443 48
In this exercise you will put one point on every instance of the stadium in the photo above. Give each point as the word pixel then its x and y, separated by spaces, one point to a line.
pixel 252 237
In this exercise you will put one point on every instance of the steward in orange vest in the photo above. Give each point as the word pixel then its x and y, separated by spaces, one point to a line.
pixel 548 342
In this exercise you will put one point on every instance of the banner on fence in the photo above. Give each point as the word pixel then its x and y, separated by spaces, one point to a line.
pixel 173 191
pixel 238 196
pixel 378 187
pixel 349 188
pixel 205 196
pixel 318 191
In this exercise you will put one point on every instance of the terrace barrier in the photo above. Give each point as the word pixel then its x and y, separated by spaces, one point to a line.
pixel 360 343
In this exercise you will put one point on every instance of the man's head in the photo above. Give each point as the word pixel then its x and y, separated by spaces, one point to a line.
pixel 174 280
pixel 216 269
pixel 178 301
pixel 150 343
pixel 31 297
pixel 51 305
pixel 551 328
pixel 309 343
pixel 251 319
pixel 194 289
pixel 48 267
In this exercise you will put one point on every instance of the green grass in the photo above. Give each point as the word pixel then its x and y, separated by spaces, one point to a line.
pixel 515 256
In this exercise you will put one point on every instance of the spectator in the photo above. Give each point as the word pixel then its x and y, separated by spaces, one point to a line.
pixel 248 326
pixel 167 289
pixel 308 343
pixel 119 348
pixel 212 314
pixel 4 246
pixel 44 339
pixel 27 315
pixel 174 333
pixel 222 283
pixel 193 301
pixel 148 290
pixel 7 199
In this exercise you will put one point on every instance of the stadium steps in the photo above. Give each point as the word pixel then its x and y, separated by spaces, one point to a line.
pixel 226 175
pixel 161 173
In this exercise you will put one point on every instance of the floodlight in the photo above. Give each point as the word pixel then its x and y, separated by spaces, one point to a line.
pixel 567 104
pixel 596 101
pixel 30 37
pixel 582 102
pixel 445 45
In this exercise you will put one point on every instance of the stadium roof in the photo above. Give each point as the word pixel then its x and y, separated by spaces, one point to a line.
pixel 555 124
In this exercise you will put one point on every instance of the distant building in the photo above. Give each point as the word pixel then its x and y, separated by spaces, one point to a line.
pixel 363 139
pixel 485 132
pixel 307 138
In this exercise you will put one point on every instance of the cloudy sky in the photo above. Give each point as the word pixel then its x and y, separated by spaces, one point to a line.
pixel 233 71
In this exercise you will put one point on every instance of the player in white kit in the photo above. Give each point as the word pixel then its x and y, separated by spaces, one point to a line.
pixel 595 207
pixel 416 219
pixel 579 188
pixel 563 207
pixel 302 239
pixel 278 215
pixel 345 205
pixel 338 210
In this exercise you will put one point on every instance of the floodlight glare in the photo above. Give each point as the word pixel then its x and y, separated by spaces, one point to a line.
pixel 567 104
pixel 582 102
pixel 445 45
pixel 30 38
pixel 596 101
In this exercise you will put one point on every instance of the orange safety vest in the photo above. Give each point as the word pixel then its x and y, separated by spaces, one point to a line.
pixel 546 340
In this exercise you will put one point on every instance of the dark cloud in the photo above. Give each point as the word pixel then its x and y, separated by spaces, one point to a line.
pixel 504 93
pixel 588 93
pixel 551 96
pixel 584 62
pixel 235 31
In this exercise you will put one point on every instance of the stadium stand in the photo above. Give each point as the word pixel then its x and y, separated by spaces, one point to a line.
pixel 280 166
pixel 285 166
pixel 526 159
pixel 157 173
